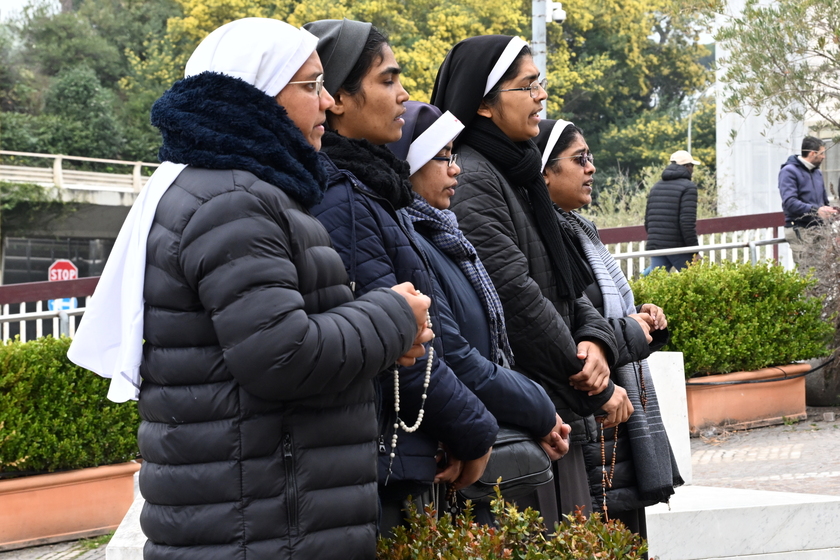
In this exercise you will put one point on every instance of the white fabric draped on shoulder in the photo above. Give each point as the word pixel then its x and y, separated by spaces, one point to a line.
pixel 266 53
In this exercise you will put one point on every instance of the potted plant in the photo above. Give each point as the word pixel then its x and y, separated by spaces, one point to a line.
pixel 66 453
pixel 516 534
pixel 740 327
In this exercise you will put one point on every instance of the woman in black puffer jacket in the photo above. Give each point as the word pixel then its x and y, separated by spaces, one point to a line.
pixel 491 84
pixel 259 427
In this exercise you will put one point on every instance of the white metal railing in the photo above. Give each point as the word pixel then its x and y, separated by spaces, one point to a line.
pixel 745 245
pixel 61 178
pixel 63 321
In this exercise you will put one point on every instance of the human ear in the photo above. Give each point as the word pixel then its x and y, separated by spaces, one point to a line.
pixel 340 106
pixel 484 110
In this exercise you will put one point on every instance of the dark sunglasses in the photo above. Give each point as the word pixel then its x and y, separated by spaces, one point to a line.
pixel 582 158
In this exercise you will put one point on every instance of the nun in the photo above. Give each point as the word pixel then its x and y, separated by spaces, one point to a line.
pixel 644 471
pixel 224 308
pixel 558 338
pixel 472 321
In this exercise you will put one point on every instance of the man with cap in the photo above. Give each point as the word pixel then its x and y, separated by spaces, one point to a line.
pixel 671 213
pixel 804 199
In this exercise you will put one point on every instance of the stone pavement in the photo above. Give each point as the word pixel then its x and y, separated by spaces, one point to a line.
pixel 802 457
pixel 61 551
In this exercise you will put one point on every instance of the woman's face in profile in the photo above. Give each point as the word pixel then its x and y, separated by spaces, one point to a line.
pixel 375 111
pixel 436 181
pixel 516 113
pixel 570 183
pixel 304 105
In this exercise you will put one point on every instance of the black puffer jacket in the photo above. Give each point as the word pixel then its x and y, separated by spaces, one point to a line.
pixel 671 212
pixel 543 329
pixel 259 427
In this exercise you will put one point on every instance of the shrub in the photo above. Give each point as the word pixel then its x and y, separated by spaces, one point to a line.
pixel 737 316
pixel 54 414
pixel 518 535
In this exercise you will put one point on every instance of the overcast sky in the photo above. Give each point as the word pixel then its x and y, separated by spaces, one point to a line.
pixel 10 7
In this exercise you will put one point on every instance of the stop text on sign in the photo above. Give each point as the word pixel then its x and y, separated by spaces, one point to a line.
pixel 62 270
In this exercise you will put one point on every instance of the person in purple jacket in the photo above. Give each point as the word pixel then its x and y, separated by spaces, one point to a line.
pixel 804 199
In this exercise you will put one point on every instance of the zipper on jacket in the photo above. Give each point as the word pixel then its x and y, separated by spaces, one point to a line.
pixel 291 485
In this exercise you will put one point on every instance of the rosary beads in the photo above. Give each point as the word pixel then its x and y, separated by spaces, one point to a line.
pixel 399 422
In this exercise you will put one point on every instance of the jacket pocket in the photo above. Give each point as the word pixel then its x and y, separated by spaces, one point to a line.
pixel 291 484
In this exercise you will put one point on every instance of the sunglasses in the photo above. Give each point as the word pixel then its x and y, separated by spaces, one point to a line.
pixel 451 160
pixel 582 158
pixel 319 84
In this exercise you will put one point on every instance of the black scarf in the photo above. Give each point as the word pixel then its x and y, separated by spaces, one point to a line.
pixel 375 166
pixel 215 121
pixel 520 163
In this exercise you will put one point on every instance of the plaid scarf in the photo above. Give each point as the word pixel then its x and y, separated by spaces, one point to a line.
pixel 656 468
pixel 447 237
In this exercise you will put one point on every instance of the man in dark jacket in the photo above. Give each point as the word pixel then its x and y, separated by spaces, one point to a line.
pixel 804 199
pixel 671 213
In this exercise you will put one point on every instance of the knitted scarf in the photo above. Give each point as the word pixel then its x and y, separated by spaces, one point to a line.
pixel 520 163
pixel 656 468
pixel 375 166
pixel 448 238
pixel 215 121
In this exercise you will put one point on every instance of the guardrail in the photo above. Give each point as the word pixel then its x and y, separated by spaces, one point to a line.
pixel 25 314
pixel 23 308
pixel 61 178
pixel 720 239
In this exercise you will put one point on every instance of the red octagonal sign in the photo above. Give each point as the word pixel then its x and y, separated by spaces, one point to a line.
pixel 62 269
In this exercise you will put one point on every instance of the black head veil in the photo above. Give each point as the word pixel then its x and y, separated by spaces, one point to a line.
pixel 461 81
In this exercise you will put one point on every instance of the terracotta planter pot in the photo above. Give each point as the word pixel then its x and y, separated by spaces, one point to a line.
pixel 64 506
pixel 750 405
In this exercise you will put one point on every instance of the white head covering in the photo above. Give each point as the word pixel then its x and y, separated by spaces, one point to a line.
pixel 266 53
pixel 513 48
pixel 556 131
pixel 432 140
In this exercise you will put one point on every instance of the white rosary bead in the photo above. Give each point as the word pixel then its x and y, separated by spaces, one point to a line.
pixel 399 423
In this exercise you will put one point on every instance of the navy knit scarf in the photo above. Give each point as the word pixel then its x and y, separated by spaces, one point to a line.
pixel 447 237
pixel 214 121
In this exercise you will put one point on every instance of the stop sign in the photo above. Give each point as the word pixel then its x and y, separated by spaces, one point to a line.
pixel 62 269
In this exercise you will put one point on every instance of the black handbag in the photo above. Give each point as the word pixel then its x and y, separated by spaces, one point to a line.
pixel 519 460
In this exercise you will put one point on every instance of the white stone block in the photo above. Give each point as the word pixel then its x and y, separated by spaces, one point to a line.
pixel 667 371
pixel 728 523
pixel 128 540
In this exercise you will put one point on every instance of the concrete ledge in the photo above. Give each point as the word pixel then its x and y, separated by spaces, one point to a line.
pixel 706 523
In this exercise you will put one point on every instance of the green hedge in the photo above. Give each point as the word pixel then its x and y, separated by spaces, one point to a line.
pixel 732 316
pixel 54 414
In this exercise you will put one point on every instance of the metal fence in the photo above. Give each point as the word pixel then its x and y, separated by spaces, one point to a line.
pixel 25 310
pixel 26 313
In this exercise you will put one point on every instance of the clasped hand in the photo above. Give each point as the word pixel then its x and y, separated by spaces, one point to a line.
pixel 419 304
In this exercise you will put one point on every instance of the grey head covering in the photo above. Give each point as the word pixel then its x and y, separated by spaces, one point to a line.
pixel 340 44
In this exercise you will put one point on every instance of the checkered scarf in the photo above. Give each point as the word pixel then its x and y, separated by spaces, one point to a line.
pixel 447 237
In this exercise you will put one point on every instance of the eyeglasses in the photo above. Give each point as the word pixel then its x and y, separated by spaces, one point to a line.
pixel 534 88
pixel 451 159
pixel 319 84
pixel 582 158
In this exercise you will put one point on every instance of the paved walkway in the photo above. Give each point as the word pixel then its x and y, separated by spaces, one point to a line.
pixel 802 457
pixel 62 551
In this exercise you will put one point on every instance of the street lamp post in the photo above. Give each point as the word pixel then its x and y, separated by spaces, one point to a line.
pixel 543 11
